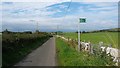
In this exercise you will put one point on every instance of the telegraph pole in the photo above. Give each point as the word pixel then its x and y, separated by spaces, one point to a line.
pixel 37 25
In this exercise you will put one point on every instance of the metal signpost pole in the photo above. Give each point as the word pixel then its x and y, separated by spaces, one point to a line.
pixel 81 20
pixel 78 36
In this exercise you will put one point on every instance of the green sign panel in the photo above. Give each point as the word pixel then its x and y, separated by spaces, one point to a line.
pixel 82 20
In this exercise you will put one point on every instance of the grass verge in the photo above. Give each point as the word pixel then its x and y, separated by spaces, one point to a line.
pixel 68 56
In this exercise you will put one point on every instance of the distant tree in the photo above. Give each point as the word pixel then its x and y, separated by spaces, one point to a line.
pixel 56 33
pixel 28 32
pixel 83 32
pixel 6 31
pixel 60 32
pixel 77 32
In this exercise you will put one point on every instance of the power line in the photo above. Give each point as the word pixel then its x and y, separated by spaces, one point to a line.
pixel 67 10
pixel 69 4
pixel 68 7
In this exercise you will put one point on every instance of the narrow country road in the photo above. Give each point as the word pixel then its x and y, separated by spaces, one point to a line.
pixel 42 56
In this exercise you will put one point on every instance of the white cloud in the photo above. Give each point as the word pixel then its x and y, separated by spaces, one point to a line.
pixel 23 9
pixel 103 8
pixel 95 0
pixel 39 13
pixel 34 0
pixel 59 0
pixel 63 6
pixel 26 5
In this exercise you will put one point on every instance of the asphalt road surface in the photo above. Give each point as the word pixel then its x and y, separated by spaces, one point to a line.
pixel 42 56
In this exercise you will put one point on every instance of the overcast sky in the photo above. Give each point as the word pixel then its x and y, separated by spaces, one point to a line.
pixel 16 16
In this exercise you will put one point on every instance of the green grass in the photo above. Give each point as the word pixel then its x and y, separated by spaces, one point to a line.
pixel 68 56
pixel 95 38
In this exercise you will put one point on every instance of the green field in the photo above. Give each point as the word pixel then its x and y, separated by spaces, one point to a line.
pixel 68 56
pixel 106 37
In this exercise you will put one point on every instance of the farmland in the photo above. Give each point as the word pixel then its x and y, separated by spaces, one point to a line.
pixel 106 37
pixel 18 45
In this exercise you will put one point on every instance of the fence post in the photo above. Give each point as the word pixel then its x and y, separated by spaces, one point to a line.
pixel 72 42
pixel 91 48
pixel 100 44
pixel 68 39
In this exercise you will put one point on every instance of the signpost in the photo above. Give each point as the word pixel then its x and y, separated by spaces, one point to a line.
pixel 81 20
